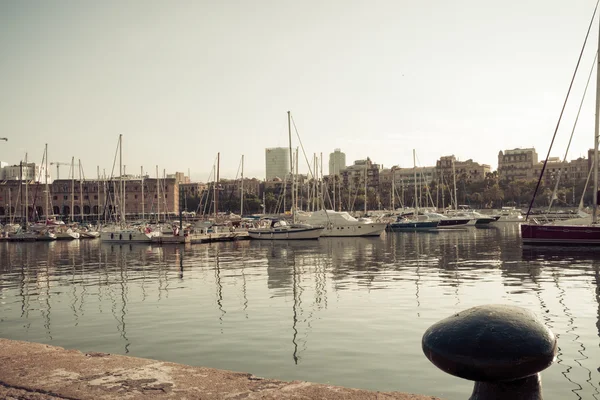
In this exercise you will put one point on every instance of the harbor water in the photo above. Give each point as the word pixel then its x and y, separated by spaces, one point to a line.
pixel 341 311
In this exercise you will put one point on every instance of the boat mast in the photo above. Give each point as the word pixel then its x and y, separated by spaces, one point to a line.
pixel 455 192
pixel 291 165
pixel 98 188
pixel 393 189
pixel 121 182
pixel 72 189
pixel 143 198
pixel 80 190
pixel 157 196
pixel 26 192
pixel 296 191
pixel 596 133
pixel 242 189
pixel 46 174
pixel 366 186
pixel 216 193
pixel 415 177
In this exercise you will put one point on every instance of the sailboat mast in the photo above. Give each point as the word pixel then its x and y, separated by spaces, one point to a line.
pixel 121 173
pixel 157 196
pixel 291 164
pixel 455 192
pixel 46 175
pixel 242 189
pixel 80 190
pixel 26 192
pixel 143 198
pixel 415 177
pixel 98 189
pixel 217 187
pixel 393 188
pixel 366 186
pixel 596 133
pixel 72 189
pixel 297 184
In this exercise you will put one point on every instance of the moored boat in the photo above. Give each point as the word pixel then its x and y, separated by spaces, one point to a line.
pixel 340 223
pixel 281 230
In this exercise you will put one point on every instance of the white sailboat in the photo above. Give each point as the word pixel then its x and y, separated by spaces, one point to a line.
pixel 122 233
pixel 279 229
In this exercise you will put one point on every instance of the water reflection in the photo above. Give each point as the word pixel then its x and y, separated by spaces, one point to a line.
pixel 335 310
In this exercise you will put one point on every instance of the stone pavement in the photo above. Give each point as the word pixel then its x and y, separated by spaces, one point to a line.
pixel 33 371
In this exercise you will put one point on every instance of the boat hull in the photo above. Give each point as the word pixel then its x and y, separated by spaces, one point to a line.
pixel 127 237
pixel 453 223
pixel 287 234
pixel 560 235
pixel 358 230
pixel 412 226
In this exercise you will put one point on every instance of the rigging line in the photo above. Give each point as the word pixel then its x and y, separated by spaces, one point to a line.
pixel 573 130
pixel 301 146
pixel 537 186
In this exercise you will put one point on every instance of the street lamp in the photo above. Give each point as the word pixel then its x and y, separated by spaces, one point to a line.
pixel 4 138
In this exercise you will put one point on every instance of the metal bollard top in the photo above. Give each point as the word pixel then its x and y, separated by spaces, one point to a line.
pixel 490 343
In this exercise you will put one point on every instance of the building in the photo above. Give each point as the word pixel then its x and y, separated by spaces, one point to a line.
pixel 26 172
pixel 470 171
pixel 353 176
pixel 277 163
pixel 179 177
pixel 86 200
pixel 517 164
pixel 337 162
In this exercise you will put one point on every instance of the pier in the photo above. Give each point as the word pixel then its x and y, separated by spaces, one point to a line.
pixel 44 372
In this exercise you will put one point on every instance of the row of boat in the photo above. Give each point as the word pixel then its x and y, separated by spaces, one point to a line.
pixel 305 225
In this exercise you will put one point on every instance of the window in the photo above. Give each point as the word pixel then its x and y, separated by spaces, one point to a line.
pixel 86 197
pixel 65 197
pixel 55 198
pixel 95 197
pixel 135 196
pixel 76 197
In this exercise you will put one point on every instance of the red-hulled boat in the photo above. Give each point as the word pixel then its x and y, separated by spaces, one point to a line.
pixel 565 233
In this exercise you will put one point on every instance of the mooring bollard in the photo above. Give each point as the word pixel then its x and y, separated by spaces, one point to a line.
pixel 502 348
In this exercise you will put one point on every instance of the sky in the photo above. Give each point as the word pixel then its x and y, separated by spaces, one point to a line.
pixel 185 80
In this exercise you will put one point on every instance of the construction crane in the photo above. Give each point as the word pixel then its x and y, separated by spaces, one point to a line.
pixel 58 164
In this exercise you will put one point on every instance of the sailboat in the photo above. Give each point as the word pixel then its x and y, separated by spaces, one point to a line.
pixel 416 222
pixel 562 233
pixel 123 233
pixel 279 229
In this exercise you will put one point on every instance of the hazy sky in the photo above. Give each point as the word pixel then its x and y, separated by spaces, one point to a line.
pixel 183 80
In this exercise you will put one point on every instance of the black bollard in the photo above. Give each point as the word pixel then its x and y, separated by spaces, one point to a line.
pixel 502 348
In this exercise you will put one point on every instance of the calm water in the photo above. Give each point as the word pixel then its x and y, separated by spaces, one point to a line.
pixel 346 311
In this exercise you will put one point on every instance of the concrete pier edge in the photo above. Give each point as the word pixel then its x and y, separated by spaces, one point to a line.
pixel 34 371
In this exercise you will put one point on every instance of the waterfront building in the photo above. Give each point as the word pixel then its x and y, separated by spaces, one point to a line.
pixel 578 169
pixel 468 170
pixel 31 172
pixel 354 176
pixel 81 199
pixel 337 162
pixel 194 189
pixel 179 177
pixel 277 163
pixel 251 186
pixel 517 164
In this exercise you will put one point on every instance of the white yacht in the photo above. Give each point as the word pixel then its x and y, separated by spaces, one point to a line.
pixel 340 223
pixel 510 214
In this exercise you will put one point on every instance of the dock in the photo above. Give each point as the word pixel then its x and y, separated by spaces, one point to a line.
pixel 44 372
